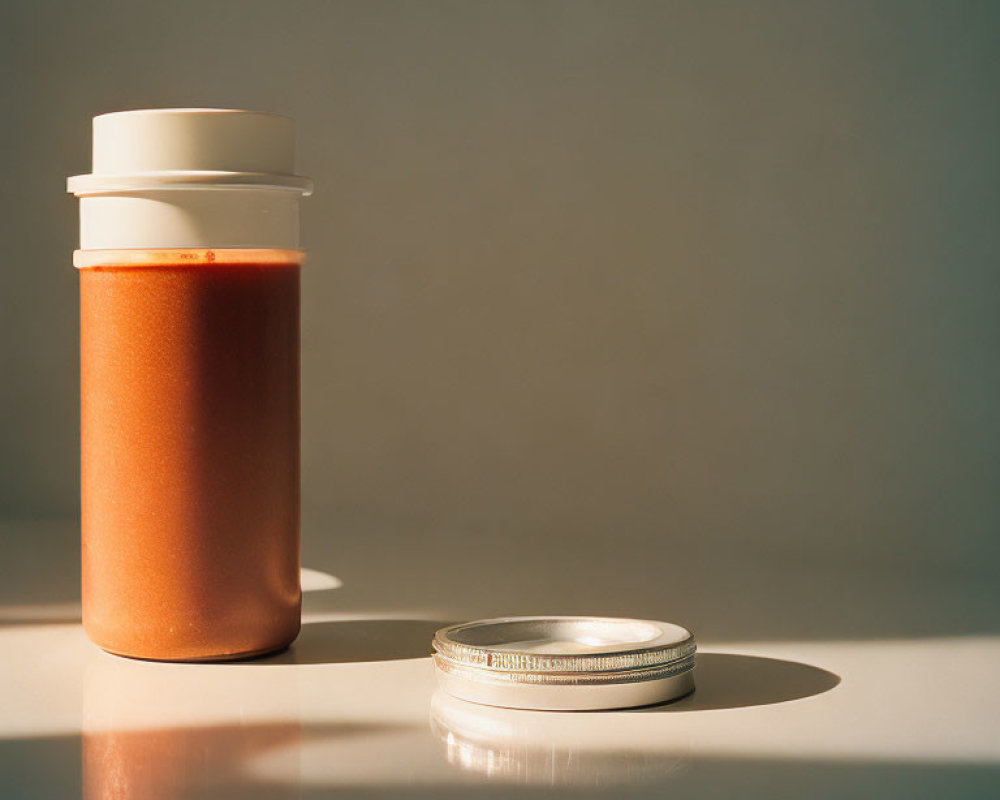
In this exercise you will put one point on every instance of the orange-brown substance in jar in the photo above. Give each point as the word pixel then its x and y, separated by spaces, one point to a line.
pixel 190 452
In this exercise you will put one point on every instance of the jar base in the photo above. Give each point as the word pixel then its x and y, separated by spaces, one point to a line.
pixel 245 655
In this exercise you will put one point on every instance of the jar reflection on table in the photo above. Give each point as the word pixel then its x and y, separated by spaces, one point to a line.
pixel 164 732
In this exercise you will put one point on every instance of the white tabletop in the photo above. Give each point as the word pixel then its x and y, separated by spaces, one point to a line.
pixel 909 706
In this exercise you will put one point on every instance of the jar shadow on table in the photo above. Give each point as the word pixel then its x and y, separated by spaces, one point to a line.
pixel 348 639
pixel 345 641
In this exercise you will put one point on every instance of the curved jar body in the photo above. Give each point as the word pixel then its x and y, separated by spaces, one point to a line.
pixel 190 451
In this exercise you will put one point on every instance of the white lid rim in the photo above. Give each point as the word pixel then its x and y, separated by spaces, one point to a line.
pixel 92 184
pixel 193 110
pixel 585 697
pixel 667 646
pixel 570 678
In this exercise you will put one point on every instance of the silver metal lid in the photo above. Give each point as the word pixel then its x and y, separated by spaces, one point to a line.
pixel 565 663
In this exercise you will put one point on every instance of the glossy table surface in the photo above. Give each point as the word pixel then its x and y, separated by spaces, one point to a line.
pixel 908 706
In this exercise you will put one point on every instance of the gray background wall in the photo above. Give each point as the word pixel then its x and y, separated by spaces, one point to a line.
pixel 672 276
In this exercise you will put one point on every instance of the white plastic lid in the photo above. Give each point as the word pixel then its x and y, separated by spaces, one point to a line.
pixel 191 177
